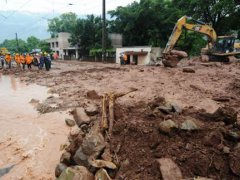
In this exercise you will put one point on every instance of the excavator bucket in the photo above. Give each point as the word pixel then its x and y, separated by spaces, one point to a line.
pixel 172 59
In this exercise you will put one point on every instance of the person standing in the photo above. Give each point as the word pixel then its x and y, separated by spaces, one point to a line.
pixel 29 61
pixel 17 59
pixel 8 59
pixel 2 60
pixel 22 60
pixel 47 61
pixel 41 64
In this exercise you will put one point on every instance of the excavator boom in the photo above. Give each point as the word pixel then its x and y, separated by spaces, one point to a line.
pixel 182 24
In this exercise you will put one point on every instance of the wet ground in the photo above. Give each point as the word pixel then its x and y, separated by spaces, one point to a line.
pixel 28 140
pixel 135 130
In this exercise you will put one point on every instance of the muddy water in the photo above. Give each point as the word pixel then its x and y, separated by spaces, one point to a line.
pixel 29 141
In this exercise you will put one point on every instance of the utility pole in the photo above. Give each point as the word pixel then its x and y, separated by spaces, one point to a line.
pixel 17 42
pixel 103 31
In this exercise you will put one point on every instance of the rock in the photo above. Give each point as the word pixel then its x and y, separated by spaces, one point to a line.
pixel 169 170
pixel 188 70
pixel 74 144
pixel 167 126
pixel 92 95
pixel 189 125
pixel 226 114
pixel 101 163
pixel 5 170
pixel 235 161
pixel 66 158
pixel 102 175
pixel 93 143
pixel 76 173
pixel 226 150
pixel 80 116
pixel 167 108
pixel 80 158
pixel 70 122
pixel 176 108
pixel 59 169
pixel 91 109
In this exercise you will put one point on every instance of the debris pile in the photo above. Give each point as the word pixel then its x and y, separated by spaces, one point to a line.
pixel 155 140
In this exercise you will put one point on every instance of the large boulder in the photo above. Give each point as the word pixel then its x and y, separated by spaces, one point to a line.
pixel 92 144
pixel 80 116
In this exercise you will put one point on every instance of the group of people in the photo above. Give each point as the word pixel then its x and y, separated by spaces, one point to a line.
pixel 40 60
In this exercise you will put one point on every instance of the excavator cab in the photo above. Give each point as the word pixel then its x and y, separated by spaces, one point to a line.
pixel 224 44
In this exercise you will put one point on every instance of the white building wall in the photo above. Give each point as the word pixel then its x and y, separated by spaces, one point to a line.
pixel 142 59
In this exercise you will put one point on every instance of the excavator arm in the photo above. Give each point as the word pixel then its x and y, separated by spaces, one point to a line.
pixel 182 24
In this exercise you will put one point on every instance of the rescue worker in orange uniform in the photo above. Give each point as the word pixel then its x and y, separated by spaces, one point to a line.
pixel 22 60
pixel 29 60
pixel 17 59
pixel 125 58
pixel 8 59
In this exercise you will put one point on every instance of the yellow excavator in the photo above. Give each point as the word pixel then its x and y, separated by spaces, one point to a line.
pixel 219 48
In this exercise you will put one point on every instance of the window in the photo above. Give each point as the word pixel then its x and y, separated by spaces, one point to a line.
pixel 56 44
pixel 52 44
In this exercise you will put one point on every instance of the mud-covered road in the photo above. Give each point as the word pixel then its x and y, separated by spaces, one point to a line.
pixel 212 86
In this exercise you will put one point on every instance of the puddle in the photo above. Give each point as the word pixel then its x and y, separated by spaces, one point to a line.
pixel 28 140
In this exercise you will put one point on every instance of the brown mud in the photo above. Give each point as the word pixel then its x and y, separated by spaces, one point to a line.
pixel 212 150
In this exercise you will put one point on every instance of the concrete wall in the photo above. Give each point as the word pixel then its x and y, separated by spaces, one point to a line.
pixel 61 44
pixel 149 58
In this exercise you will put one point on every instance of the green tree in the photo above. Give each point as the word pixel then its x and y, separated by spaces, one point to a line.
pixel 222 14
pixel 32 43
pixel 44 46
pixel 11 45
pixel 64 23
pixel 88 34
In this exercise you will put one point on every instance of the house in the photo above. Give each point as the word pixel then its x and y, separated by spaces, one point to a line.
pixel 62 47
pixel 139 55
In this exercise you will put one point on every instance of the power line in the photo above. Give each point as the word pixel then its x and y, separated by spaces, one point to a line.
pixel 11 14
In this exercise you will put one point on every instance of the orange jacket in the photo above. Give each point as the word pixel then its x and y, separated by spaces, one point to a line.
pixel 8 58
pixel 17 59
pixel 22 59
pixel 29 59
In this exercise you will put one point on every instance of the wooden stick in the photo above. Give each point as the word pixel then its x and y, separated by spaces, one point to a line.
pixel 104 123
pixel 111 112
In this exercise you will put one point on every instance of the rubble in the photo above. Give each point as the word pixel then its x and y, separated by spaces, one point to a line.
pixel 133 132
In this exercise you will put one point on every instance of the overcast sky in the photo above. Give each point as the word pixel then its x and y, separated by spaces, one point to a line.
pixel 30 17
pixel 60 6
